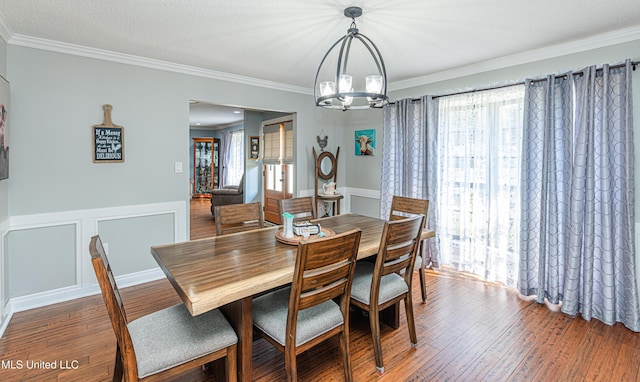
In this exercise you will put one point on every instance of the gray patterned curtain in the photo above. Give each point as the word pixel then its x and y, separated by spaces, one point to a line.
pixel 545 186
pixel 578 234
pixel 408 156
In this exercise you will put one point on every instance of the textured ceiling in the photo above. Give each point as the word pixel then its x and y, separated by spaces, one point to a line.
pixel 283 41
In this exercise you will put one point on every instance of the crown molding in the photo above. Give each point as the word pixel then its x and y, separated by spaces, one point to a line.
pixel 578 46
pixel 123 58
pixel 595 42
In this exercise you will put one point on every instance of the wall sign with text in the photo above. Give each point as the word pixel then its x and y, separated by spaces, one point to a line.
pixel 108 140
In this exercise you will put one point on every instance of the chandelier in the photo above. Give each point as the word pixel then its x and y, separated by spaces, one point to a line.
pixel 342 91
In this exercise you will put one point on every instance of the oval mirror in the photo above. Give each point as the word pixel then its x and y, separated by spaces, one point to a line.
pixel 326 165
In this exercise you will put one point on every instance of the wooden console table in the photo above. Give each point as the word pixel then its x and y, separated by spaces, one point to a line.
pixel 334 200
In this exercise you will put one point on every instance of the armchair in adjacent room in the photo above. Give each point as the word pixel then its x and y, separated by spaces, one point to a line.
pixel 227 195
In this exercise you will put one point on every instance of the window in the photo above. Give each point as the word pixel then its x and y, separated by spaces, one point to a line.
pixel 236 160
pixel 479 140
pixel 278 154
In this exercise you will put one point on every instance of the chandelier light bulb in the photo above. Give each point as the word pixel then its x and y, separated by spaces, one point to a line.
pixel 374 83
pixel 327 88
pixel 344 83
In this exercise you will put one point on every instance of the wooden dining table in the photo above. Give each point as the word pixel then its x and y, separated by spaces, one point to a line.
pixel 227 271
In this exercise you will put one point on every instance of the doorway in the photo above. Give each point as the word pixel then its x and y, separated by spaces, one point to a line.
pixel 278 184
pixel 212 119
pixel 278 167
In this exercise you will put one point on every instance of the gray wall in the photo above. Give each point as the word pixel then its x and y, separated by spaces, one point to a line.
pixel 56 98
pixel 57 262
pixel 129 253
pixel 253 174
pixel 363 171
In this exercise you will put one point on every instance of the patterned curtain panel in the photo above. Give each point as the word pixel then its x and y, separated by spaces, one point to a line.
pixel 581 250
pixel 545 187
pixel 409 157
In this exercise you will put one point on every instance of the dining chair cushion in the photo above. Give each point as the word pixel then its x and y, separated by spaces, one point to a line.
pixel 172 336
pixel 270 316
pixel 391 285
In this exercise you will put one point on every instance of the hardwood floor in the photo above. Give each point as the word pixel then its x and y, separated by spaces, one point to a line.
pixel 200 220
pixel 468 330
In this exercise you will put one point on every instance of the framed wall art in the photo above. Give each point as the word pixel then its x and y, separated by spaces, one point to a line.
pixel 254 147
pixel 4 128
pixel 108 140
pixel 365 142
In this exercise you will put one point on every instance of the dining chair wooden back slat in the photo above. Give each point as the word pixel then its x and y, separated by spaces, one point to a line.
pixel 325 271
pixel 234 218
pixel 301 208
pixel 403 207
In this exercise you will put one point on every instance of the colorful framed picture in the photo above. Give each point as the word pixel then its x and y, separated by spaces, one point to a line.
pixel 365 141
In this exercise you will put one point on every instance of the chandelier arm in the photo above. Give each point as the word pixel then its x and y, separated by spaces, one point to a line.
pixel 379 63
pixel 315 82
pixel 346 42
pixel 346 56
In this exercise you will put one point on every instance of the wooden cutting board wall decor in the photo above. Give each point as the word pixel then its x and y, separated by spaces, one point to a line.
pixel 108 140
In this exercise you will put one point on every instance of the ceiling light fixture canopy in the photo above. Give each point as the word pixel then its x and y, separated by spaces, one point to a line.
pixel 338 92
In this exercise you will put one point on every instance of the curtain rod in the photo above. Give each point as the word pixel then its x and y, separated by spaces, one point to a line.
pixel 576 73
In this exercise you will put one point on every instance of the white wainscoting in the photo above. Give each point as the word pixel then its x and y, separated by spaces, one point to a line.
pixel 352 194
pixel 348 193
pixel 86 224
pixel 4 229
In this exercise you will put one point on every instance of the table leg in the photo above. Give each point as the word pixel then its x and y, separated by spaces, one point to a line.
pixel 238 313
pixel 391 316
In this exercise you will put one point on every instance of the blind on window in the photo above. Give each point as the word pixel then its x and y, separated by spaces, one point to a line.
pixel 288 143
pixel 271 135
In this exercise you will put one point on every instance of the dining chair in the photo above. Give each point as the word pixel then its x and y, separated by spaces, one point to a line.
pixel 300 208
pixel 401 208
pixel 238 218
pixel 296 318
pixel 165 343
pixel 377 286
